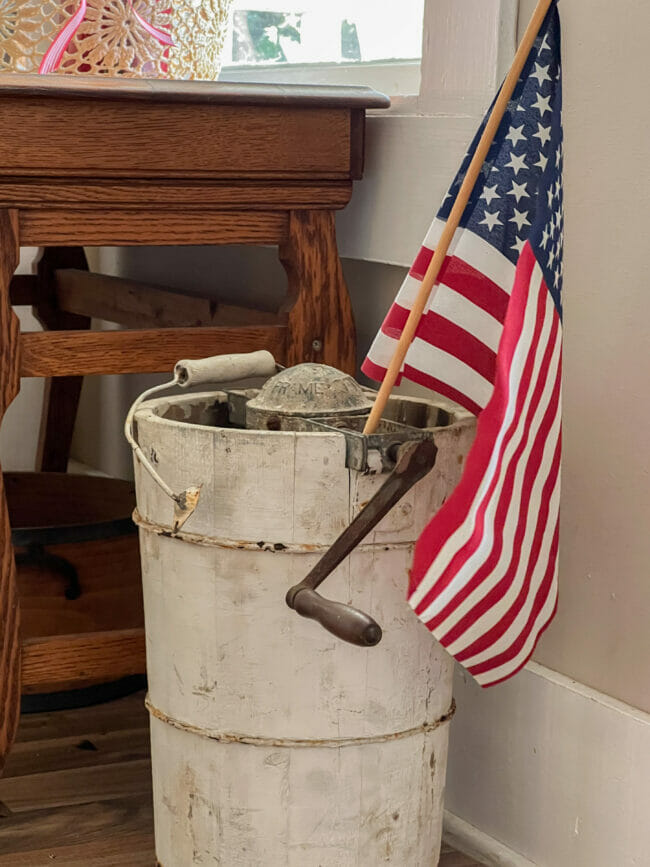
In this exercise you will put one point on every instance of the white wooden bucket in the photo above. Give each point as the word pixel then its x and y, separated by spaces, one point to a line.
pixel 273 742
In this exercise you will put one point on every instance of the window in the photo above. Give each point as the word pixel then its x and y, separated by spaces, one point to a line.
pixel 339 41
pixel 440 61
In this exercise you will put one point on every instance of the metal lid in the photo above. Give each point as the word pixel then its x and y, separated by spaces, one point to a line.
pixel 310 390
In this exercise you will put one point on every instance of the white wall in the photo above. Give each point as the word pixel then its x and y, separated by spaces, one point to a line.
pixel 558 771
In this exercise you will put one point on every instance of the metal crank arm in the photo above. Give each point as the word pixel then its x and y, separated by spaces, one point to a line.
pixel 415 460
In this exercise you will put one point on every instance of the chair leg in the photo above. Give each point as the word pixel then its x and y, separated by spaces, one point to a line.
pixel 9 386
pixel 321 321
pixel 62 394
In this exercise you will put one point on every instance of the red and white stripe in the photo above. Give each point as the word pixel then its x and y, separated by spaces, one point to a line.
pixel 454 351
pixel 484 578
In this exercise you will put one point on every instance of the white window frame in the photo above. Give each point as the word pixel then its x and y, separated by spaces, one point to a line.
pixel 388 75
pixel 414 149
pixel 453 80
pixel 448 79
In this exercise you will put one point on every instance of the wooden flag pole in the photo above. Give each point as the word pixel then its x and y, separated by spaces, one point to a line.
pixel 453 221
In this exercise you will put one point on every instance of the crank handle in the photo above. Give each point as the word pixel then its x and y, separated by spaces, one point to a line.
pixel 347 623
pixel 415 460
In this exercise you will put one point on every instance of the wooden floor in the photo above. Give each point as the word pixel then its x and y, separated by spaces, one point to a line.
pixel 77 791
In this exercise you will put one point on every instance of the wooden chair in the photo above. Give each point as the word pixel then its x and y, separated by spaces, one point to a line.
pixel 95 162
pixel 65 297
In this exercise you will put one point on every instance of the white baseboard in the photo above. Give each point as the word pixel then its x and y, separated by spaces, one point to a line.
pixel 478 845
pixel 545 771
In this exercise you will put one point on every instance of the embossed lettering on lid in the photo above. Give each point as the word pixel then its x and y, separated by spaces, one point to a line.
pixel 311 390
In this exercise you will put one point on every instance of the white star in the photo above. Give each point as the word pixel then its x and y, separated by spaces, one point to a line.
pixel 541 74
pixel 520 218
pixel 556 279
pixel 543 133
pixel 517 163
pixel 550 197
pixel 491 220
pixel 518 191
pixel 543 104
pixel 551 258
pixel 518 245
pixel 546 235
pixel 558 157
pixel 516 135
pixel 544 46
pixel 490 193
pixel 542 162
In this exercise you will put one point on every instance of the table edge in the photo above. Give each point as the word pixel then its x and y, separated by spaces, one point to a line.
pixel 28 85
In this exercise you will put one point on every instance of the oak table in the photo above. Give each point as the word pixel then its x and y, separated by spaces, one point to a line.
pixel 88 162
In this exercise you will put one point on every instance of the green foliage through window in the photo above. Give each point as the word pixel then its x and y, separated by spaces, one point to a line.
pixel 350 49
pixel 258 36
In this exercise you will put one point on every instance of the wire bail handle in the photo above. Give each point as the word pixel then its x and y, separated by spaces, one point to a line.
pixel 189 373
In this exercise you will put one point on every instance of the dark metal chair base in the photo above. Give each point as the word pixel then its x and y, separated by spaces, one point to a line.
pixel 74 698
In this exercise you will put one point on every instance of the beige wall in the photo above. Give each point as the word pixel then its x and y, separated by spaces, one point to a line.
pixel 601 635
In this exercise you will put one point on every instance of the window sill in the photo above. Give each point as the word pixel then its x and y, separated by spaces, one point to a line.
pixel 387 76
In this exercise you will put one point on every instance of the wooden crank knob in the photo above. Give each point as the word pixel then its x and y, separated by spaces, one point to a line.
pixel 347 623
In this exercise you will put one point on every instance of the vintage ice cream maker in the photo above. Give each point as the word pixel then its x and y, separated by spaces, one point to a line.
pixel 276 741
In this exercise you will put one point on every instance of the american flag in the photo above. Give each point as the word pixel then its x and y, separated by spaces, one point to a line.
pixel 484 577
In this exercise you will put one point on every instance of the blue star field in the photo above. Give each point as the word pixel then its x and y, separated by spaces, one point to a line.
pixel 518 196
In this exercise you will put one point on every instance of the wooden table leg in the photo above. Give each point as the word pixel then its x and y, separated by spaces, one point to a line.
pixel 61 397
pixel 321 322
pixel 9 386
